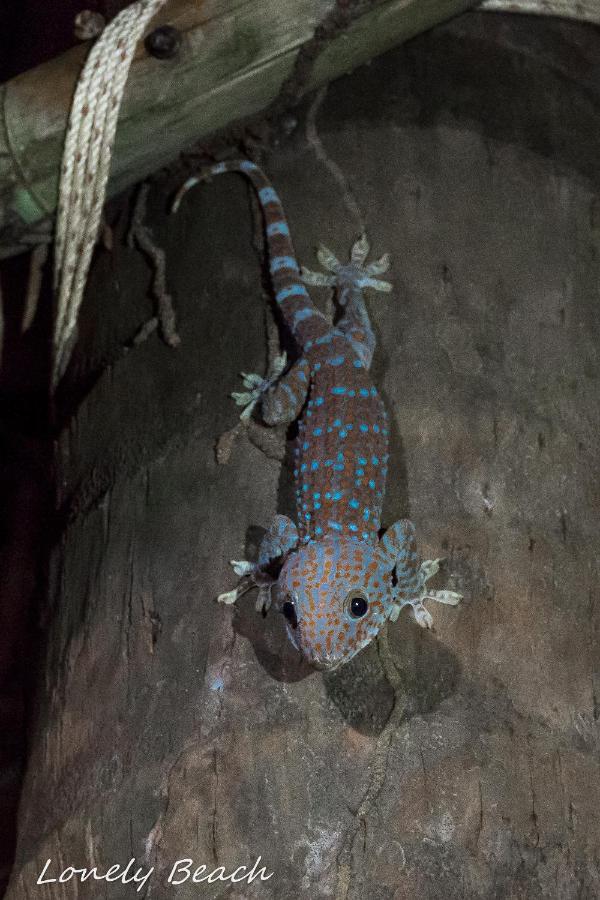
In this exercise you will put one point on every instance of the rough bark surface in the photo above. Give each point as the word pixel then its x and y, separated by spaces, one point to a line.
pixel 460 764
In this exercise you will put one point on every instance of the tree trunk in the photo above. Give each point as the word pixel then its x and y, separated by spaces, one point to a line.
pixel 459 764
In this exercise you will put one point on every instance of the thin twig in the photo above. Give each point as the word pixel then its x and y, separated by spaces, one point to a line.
pixel 141 235
pixel 37 261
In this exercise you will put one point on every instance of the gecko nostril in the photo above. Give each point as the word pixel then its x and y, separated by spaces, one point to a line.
pixel 289 611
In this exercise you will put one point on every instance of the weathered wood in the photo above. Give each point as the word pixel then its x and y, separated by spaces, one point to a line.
pixel 235 58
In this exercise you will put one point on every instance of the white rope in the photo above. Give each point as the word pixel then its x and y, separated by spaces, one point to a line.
pixel 85 165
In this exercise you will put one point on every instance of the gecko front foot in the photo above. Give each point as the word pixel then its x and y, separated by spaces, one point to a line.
pixel 421 614
pixel 255 578
pixel 243 569
pixel 353 273
pixel 263 601
pixel 256 386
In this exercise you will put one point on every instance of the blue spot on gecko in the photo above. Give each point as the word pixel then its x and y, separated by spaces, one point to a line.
pixel 268 195
pixel 278 228
pixel 294 290
pixel 300 316
pixel 283 262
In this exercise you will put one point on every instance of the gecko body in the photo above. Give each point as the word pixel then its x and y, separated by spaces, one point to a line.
pixel 330 573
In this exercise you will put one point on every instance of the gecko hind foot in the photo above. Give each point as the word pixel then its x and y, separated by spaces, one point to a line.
pixel 257 385
pixel 355 272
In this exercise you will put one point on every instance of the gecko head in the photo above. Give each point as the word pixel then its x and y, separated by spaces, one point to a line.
pixel 336 594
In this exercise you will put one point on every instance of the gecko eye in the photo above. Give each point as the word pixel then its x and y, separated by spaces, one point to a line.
pixel 357 604
pixel 289 611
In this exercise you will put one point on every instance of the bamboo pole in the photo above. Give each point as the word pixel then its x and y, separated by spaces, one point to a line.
pixel 235 58
pixel 580 10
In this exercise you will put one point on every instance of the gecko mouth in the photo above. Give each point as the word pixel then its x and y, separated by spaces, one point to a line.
pixel 323 663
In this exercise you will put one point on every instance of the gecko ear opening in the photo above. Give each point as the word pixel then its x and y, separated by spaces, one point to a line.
pixel 289 611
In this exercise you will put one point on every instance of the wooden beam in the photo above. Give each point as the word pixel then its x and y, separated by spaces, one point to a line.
pixel 236 56
pixel 581 10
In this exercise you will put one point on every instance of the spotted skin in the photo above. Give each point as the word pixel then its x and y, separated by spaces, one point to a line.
pixel 330 574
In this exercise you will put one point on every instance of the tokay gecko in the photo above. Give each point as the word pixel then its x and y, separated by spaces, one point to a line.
pixel 332 575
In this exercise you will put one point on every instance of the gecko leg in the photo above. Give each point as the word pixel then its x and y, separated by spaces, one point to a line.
pixel 281 398
pixel 350 279
pixel 280 539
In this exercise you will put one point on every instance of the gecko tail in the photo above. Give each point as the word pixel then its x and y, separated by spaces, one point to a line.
pixel 185 187
pixel 206 175
pixel 303 318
